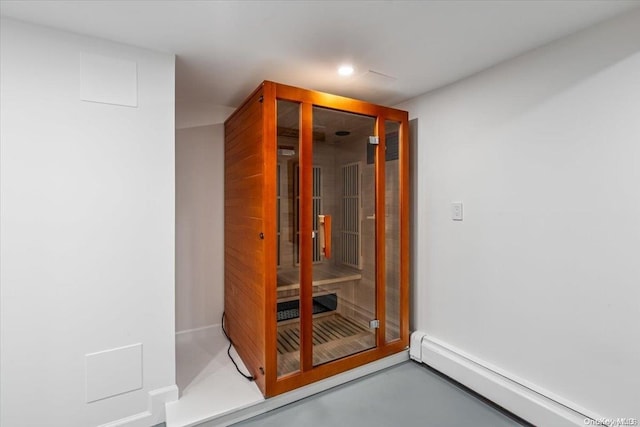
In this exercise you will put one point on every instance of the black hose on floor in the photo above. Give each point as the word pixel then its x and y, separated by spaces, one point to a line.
pixel 249 377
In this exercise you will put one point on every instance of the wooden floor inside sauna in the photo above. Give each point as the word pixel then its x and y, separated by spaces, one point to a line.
pixel 334 336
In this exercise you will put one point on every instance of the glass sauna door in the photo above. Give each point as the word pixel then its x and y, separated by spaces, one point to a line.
pixel 288 237
pixel 343 235
pixel 341 205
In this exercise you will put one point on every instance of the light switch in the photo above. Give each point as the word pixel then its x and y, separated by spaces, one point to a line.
pixel 456 211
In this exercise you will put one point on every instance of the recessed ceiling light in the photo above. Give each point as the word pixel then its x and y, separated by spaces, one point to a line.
pixel 345 70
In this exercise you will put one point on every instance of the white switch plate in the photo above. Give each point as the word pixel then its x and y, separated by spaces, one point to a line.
pixel 456 211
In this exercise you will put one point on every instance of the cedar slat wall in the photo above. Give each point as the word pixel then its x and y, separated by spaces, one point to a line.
pixel 244 251
pixel 250 263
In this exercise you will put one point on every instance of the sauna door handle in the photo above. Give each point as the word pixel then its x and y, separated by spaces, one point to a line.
pixel 325 234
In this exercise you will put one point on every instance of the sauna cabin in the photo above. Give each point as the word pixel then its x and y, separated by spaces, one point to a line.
pixel 316 234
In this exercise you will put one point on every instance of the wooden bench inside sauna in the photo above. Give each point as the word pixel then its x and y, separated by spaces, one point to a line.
pixel 316 234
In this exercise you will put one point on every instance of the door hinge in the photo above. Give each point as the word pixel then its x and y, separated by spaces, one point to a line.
pixel 261 99
pixel 374 324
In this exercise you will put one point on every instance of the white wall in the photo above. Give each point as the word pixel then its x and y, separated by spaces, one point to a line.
pixel 542 278
pixel 199 226
pixel 87 221
pixel 192 113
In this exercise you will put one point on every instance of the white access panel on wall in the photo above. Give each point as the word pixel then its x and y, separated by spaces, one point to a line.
pixel 108 80
pixel 113 372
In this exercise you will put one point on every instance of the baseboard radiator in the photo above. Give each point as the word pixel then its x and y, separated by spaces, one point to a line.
pixel 531 403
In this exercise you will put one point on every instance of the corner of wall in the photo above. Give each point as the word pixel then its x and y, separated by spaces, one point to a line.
pixel 155 413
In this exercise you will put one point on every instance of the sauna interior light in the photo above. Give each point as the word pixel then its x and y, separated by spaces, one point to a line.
pixel 345 70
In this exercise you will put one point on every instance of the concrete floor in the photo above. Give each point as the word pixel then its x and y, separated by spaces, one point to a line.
pixel 409 394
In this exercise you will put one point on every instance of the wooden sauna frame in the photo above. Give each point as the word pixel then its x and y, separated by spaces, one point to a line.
pixel 250 234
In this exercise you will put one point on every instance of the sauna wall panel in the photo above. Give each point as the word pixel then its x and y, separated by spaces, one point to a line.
pixel 244 298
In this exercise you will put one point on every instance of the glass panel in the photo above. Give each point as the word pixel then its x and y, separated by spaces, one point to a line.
pixel 288 291
pixel 392 230
pixel 344 285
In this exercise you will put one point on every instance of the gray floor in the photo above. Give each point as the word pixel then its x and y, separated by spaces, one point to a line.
pixel 408 394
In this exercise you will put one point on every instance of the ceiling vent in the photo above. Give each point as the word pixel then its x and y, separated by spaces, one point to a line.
pixel 377 78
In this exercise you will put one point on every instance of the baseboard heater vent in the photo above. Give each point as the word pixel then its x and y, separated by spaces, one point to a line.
pixel 288 310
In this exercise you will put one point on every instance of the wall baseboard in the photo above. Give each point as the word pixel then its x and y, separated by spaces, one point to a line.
pixel 525 400
pixel 155 413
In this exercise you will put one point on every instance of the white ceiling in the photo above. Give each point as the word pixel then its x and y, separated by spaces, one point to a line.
pixel 226 48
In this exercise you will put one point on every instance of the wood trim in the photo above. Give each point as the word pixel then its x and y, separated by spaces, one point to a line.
pixel 405 192
pixel 269 150
pixel 381 266
pixel 306 241
pixel 320 372
pixel 335 102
